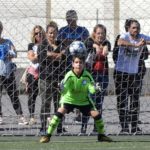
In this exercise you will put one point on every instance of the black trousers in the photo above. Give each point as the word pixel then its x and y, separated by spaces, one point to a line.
pixel 127 85
pixel 48 91
pixel 32 89
pixel 10 85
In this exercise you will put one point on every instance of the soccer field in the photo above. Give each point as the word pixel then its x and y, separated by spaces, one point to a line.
pixel 75 143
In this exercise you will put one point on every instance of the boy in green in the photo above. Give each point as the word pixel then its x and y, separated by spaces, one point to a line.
pixel 76 87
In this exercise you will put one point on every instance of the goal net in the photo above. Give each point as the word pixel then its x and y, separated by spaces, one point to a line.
pixel 20 17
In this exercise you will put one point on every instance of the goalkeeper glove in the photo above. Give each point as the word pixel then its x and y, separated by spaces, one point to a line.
pixel 61 85
pixel 97 87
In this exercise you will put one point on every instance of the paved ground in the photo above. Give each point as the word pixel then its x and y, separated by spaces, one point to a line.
pixel 11 127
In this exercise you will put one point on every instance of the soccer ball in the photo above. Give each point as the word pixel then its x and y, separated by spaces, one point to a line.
pixel 77 48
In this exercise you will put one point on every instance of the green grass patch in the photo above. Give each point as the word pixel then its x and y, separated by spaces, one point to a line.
pixel 75 143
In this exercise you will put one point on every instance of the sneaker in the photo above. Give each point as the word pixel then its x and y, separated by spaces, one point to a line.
pixel 23 121
pixel 104 138
pixel 136 131
pixel 32 121
pixel 83 131
pixel 45 139
pixel 42 132
pixel 78 119
pixel 124 131
pixel 140 122
pixel 1 120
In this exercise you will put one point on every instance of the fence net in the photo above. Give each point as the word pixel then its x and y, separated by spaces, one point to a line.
pixel 20 17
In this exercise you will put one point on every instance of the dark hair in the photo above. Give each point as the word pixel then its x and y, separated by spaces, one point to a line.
pixel 53 25
pixel 1 26
pixel 81 57
pixel 128 23
pixel 71 14
pixel 116 49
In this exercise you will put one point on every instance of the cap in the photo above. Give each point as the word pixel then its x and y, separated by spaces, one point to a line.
pixel 71 14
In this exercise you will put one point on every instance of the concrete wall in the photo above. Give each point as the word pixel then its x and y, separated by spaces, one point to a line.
pixel 19 17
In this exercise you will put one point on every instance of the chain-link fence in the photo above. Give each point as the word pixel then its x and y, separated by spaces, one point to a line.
pixel 19 18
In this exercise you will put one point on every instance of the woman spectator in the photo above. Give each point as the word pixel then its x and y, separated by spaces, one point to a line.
pixel 38 34
pixel 7 76
pixel 140 75
pixel 51 66
pixel 99 46
pixel 127 80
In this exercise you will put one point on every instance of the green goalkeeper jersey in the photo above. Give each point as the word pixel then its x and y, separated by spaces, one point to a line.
pixel 76 90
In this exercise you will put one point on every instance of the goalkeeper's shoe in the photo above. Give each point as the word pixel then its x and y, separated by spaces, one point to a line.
pixel 45 139
pixel 104 138
pixel 77 119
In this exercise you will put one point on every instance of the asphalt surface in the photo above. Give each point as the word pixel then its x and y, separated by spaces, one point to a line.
pixel 10 120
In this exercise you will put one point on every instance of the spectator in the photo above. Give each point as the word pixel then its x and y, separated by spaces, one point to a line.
pixel 38 34
pixel 68 34
pixel 142 67
pixel 7 76
pixel 51 63
pixel 99 46
pixel 127 82
pixel 76 95
pixel 71 32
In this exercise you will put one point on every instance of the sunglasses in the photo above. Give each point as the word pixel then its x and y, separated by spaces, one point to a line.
pixel 38 33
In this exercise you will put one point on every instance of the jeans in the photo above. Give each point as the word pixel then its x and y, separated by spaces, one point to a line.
pixel 32 93
pixel 48 91
pixel 10 85
pixel 127 85
pixel 103 81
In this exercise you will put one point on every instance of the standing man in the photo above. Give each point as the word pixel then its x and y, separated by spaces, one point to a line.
pixel 72 32
pixel 68 34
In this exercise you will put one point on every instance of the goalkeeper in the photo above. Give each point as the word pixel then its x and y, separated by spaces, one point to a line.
pixel 76 87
